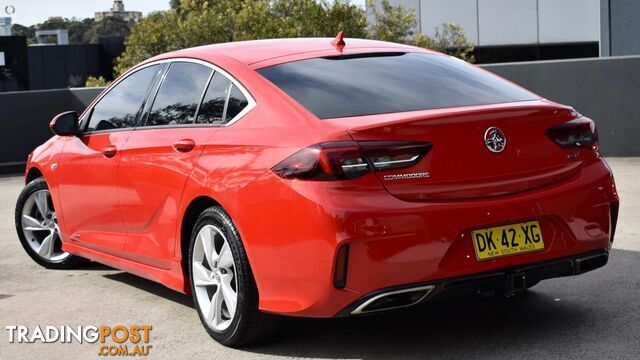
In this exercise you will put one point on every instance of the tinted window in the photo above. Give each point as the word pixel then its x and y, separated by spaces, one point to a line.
pixel 237 102
pixel 212 108
pixel 385 83
pixel 120 107
pixel 177 100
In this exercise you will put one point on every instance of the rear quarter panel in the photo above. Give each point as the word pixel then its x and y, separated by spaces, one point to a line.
pixel 237 154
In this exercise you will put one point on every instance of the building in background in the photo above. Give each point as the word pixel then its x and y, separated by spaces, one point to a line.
pixel 5 26
pixel 525 30
pixel 58 64
pixel 118 11
pixel 620 27
pixel 61 35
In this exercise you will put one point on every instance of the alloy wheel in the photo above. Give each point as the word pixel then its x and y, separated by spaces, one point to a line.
pixel 214 278
pixel 40 227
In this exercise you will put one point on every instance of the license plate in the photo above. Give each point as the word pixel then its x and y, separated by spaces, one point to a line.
pixel 507 240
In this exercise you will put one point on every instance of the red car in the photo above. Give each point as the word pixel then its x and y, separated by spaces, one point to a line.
pixel 309 177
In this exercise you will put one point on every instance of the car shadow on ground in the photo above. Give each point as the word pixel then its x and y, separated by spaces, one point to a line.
pixel 580 315
pixel 456 327
pixel 152 287
pixel 577 314
pixel 94 266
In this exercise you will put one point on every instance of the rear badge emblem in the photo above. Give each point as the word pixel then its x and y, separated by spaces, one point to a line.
pixel 407 176
pixel 495 140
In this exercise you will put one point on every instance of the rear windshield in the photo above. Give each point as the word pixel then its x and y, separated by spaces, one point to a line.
pixel 366 84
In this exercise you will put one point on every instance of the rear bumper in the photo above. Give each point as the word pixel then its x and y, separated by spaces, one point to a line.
pixel 293 239
pixel 509 280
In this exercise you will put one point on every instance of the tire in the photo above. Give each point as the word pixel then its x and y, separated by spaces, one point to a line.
pixel 34 228
pixel 246 324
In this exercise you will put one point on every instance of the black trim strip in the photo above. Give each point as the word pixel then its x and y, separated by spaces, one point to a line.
pixel 500 279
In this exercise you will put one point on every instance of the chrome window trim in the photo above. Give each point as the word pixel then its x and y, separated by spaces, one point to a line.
pixel 151 98
pixel 251 102
pixel 226 102
pixel 202 96
pixel 108 90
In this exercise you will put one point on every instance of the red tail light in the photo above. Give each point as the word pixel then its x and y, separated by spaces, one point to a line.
pixel 350 160
pixel 579 132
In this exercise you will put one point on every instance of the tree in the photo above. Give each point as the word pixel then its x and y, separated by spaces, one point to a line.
pixel 78 30
pixel 199 22
pixel 174 4
pixel 54 23
pixel 298 18
pixel 85 31
pixel 391 23
pixel 346 17
pixel 20 30
pixel 449 39
pixel 397 24
pixel 109 27
pixel 96 81
pixel 151 36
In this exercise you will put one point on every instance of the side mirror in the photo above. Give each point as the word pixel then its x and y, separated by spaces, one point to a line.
pixel 65 124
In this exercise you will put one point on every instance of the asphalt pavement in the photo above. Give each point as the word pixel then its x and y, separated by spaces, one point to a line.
pixel 592 316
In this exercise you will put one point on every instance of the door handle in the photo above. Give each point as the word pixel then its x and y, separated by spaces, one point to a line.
pixel 184 145
pixel 109 151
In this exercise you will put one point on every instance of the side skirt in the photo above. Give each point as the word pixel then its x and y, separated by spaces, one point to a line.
pixel 172 278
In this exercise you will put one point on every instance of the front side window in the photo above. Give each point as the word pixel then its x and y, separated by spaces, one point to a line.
pixel 365 84
pixel 177 100
pixel 122 105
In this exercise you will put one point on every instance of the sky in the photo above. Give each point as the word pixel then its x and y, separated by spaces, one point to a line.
pixel 29 12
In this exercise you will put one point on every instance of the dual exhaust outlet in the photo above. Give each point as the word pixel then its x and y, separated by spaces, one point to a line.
pixel 511 281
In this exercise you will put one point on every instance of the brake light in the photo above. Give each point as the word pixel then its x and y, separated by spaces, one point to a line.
pixel 347 160
pixel 579 132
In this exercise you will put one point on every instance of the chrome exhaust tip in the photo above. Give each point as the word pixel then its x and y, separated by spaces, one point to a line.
pixel 394 300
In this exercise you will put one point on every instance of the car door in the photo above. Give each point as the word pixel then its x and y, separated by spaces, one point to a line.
pixel 88 166
pixel 158 158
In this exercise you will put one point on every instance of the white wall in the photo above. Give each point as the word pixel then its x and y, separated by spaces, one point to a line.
pixel 507 22
pixel 569 20
pixel 512 22
pixel 462 12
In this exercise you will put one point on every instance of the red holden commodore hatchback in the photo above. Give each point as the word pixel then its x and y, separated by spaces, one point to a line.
pixel 309 177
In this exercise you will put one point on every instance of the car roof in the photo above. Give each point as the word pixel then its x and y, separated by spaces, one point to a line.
pixel 259 53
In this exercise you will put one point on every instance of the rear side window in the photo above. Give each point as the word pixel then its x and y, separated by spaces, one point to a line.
pixel 222 102
pixel 212 108
pixel 121 106
pixel 365 84
pixel 178 97
pixel 237 103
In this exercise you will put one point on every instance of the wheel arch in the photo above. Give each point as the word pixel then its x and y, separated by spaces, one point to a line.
pixel 193 210
pixel 33 173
